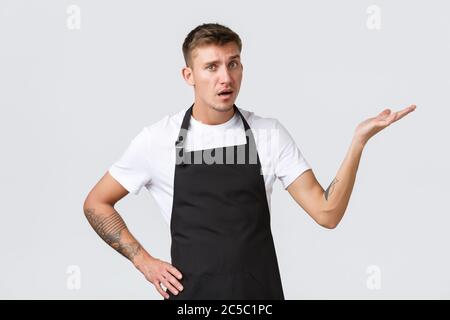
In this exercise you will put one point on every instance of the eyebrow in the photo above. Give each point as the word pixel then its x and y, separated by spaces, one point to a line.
pixel 216 61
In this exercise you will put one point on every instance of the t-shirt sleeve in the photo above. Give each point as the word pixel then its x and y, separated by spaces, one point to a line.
pixel 132 169
pixel 290 163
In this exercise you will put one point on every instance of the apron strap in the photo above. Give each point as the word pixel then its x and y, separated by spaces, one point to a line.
pixel 179 143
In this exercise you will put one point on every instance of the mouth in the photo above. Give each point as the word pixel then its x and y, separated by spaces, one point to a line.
pixel 225 94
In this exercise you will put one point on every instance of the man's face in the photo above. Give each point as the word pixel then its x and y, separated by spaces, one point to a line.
pixel 215 70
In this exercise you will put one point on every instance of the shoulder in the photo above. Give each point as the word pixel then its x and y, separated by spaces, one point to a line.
pixel 168 122
pixel 256 121
pixel 166 128
pixel 268 129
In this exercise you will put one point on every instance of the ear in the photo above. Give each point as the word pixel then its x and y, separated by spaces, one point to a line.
pixel 188 75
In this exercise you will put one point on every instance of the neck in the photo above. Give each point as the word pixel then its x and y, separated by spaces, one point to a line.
pixel 211 116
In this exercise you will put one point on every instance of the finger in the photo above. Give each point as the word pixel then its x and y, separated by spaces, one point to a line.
pixel 161 291
pixel 174 271
pixel 383 121
pixel 404 112
pixel 395 116
pixel 391 118
pixel 173 281
pixel 169 286
pixel 384 113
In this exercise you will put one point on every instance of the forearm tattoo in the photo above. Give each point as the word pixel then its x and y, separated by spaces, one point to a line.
pixel 109 228
pixel 330 188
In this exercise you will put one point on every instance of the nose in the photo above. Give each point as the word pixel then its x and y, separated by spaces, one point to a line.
pixel 224 75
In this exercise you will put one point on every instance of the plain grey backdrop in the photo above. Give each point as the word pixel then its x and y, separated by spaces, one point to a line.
pixel 79 79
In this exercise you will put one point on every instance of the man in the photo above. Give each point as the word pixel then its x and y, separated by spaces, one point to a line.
pixel 208 171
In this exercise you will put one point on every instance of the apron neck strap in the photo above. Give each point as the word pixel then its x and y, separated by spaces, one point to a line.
pixel 185 125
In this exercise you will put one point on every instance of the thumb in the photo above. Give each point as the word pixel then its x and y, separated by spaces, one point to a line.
pixel 384 113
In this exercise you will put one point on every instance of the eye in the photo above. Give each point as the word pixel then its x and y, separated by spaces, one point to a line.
pixel 233 64
pixel 211 67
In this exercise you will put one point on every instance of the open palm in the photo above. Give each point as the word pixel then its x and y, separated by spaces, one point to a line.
pixel 368 128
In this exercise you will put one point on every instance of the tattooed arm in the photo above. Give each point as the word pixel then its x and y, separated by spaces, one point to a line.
pixel 327 207
pixel 109 225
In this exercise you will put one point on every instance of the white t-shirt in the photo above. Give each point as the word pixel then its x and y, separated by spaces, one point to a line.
pixel 150 158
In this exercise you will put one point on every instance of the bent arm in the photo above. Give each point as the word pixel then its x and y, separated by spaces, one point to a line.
pixel 109 225
pixel 106 221
pixel 327 207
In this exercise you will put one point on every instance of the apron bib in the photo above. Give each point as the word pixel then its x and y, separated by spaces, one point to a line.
pixel 220 225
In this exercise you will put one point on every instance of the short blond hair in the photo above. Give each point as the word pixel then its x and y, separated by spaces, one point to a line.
pixel 208 33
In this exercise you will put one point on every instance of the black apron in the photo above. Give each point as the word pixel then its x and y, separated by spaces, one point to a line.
pixel 220 225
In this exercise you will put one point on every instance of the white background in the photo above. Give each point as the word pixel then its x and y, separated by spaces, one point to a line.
pixel 72 99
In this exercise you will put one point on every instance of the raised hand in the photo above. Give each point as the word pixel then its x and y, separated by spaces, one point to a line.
pixel 368 128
